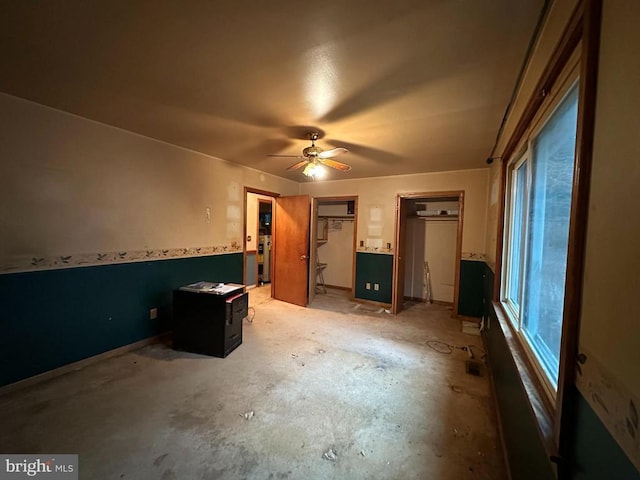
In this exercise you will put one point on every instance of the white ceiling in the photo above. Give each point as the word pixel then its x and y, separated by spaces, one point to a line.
pixel 407 86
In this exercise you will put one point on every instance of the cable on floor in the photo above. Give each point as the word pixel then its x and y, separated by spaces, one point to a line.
pixel 251 313
pixel 441 347
pixel 447 348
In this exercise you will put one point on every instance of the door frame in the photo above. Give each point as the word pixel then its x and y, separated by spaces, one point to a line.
pixel 400 228
pixel 256 191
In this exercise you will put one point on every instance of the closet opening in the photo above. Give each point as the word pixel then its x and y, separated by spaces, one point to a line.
pixel 428 249
pixel 334 243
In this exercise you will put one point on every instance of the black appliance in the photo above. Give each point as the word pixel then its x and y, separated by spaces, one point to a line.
pixel 209 321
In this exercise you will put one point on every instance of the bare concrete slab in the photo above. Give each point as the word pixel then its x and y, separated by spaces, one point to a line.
pixel 329 391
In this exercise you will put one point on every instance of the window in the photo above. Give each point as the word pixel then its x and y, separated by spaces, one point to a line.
pixel 536 236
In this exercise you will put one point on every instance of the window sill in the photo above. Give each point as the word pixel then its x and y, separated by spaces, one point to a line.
pixel 543 411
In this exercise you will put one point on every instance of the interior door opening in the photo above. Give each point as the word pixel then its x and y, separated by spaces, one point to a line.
pixel 428 248
pixel 334 243
pixel 265 217
pixel 258 225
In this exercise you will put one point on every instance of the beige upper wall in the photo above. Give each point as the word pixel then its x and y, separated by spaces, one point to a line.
pixel 493 204
pixel 72 186
pixel 555 23
pixel 377 202
pixel 610 325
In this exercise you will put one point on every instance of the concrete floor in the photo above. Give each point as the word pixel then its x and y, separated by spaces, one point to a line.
pixel 363 385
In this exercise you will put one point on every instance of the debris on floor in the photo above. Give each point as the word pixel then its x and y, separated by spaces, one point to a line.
pixel 330 455
pixel 472 328
pixel 456 389
pixel 362 453
pixel 461 433
pixel 293 355
pixel 368 309
pixel 247 415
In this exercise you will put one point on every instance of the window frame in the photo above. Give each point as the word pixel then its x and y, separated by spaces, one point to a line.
pixel 556 420
pixel 568 79
pixel 512 310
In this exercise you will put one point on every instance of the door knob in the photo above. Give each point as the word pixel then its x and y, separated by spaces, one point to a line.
pixel 303 257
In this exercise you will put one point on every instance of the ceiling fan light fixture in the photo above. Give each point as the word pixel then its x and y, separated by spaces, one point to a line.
pixel 314 171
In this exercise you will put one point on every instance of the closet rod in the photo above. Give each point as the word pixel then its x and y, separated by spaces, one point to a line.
pixel 337 217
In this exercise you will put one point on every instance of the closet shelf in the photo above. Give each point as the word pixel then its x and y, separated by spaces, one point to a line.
pixel 435 217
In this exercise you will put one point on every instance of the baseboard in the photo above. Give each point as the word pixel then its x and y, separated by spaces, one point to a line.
pixel 440 302
pixel 414 299
pixel 346 289
pixel 56 372
pixel 424 300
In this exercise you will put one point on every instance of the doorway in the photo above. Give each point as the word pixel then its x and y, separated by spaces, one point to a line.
pixel 265 215
pixel 258 214
pixel 428 248
pixel 288 262
pixel 334 243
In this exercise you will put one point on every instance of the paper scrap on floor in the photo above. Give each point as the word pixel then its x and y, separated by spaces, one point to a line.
pixel 472 328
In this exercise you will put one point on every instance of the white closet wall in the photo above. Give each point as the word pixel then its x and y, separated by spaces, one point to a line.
pixel 433 241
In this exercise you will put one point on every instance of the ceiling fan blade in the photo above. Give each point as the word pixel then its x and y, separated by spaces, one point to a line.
pixel 285 156
pixel 343 167
pixel 334 152
pixel 369 152
pixel 295 166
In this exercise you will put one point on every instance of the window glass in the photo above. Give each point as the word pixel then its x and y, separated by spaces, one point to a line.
pixel 548 232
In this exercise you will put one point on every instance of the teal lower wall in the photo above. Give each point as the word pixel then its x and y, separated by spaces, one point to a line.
pixel 471 288
pixel 378 268
pixel 595 454
pixel 374 268
pixel 527 457
pixel 56 317
pixel 526 454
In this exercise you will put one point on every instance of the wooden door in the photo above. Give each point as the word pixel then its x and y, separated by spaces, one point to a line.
pixel 398 259
pixel 291 250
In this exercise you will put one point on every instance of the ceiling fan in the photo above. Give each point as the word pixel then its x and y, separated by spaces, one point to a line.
pixel 314 157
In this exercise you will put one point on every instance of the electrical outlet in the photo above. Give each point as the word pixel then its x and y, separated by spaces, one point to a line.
pixel 367 286
pixel 153 313
pixel 376 286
